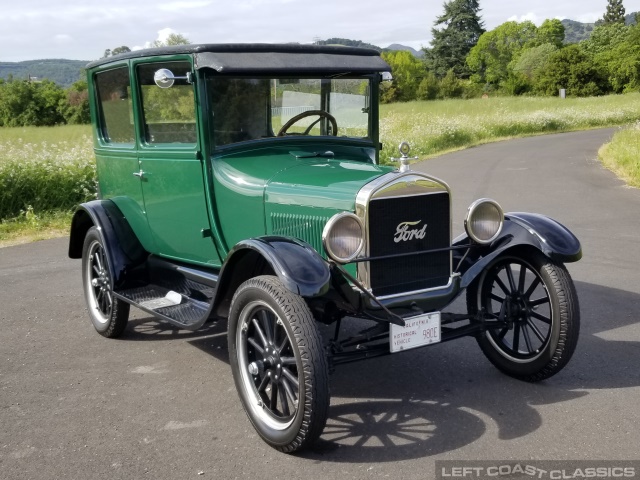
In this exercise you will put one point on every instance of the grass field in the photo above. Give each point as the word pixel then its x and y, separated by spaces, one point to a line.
pixel 434 127
pixel 622 155
pixel 46 171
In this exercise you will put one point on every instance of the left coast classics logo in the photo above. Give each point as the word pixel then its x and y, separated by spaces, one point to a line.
pixel 404 233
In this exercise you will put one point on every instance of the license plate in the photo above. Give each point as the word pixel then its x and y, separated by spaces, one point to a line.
pixel 418 331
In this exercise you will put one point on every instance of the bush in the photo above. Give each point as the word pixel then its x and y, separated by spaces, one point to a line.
pixel 429 87
pixel 570 68
pixel 25 103
pixel 44 103
pixel 516 84
pixel 450 86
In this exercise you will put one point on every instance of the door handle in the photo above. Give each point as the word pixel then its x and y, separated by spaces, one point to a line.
pixel 139 174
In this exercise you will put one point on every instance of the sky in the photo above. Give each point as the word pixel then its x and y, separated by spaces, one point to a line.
pixel 84 29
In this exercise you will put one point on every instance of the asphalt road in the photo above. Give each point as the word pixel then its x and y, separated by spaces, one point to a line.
pixel 160 403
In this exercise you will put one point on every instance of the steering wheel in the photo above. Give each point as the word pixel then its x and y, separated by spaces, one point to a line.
pixel 310 113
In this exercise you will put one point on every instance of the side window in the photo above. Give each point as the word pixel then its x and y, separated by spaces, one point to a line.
pixel 116 114
pixel 169 113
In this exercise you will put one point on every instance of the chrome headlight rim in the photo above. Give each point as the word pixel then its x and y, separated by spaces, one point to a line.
pixel 326 231
pixel 471 211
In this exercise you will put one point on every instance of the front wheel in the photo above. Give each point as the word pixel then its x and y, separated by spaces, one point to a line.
pixel 532 312
pixel 278 364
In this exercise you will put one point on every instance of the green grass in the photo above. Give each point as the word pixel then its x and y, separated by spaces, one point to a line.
pixel 435 127
pixel 71 134
pixel 622 155
pixel 46 171
pixel 29 227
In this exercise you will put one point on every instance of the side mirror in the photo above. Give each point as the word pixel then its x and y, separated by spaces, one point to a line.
pixel 164 78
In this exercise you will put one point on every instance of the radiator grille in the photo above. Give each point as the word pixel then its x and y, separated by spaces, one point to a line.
pixel 305 227
pixel 418 223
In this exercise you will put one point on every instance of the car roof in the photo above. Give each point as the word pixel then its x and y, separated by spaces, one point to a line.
pixel 241 58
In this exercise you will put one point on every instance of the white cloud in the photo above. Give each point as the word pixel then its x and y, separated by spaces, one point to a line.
pixel 179 6
pixel 62 38
pixel 163 35
pixel 531 17
pixel 590 17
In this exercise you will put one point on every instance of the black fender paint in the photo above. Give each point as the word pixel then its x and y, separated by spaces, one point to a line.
pixel 123 247
pixel 519 230
pixel 297 265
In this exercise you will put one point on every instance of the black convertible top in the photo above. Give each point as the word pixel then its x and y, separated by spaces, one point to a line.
pixel 273 58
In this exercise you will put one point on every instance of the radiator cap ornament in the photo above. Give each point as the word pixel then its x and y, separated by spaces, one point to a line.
pixel 404 160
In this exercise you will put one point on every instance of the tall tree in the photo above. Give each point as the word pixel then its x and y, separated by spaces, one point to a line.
pixel 489 60
pixel 455 33
pixel 615 12
pixel 408 71
pixel 551 31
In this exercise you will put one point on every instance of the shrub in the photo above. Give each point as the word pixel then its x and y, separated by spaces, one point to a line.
pixel 450 86
pixel 570 68
pixel 429 87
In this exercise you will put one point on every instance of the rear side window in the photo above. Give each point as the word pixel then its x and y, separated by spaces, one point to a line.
pixel 116 113
pixel 169 113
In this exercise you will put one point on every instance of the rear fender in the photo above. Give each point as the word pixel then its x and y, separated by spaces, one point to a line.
pixel 527 230
pixel 122 246
pixel 296 264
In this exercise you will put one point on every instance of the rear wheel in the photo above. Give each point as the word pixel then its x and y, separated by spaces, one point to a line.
pixel 108 314
pixel 533 312
pixel 278 364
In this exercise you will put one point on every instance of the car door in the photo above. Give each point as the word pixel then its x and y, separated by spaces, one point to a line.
pixel 170 165
pixel 115 147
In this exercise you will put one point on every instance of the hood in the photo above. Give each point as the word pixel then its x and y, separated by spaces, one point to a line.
pixel 321 183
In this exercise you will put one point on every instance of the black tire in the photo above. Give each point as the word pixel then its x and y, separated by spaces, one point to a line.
pixel 278 364
pixel 534 307
pixel 108 314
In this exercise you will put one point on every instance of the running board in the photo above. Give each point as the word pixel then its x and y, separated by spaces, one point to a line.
pixel 176 293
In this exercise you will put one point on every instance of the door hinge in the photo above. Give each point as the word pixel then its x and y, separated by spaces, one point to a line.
pixel 206 232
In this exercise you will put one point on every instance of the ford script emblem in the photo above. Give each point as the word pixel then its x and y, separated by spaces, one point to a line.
pixel 404 233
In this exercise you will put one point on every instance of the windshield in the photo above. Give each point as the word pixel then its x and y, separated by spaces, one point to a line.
pixel 253 108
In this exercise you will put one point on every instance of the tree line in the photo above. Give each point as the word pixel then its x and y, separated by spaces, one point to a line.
pixel 42 103
pixel 516 58
pixel 463 61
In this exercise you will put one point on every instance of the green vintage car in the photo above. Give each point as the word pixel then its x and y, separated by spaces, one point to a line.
pixel 243 183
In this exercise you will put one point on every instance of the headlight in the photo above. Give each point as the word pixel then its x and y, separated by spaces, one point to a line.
pixel 484 221
pixel 343 237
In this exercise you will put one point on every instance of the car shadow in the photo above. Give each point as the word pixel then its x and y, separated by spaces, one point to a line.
pixel 434 400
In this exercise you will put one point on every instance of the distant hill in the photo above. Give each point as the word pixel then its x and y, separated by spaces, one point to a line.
pixel 630 19
pixel 575 32
pixel 347 43
pixel 357 43
pixel 66 72
pixel 63 72
pixel 397 46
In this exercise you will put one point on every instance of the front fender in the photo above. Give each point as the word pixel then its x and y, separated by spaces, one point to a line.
pixel 296 264
pixel 122 246
pixel 520 230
